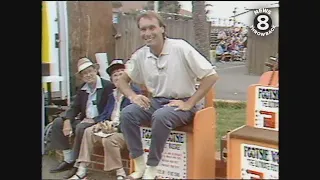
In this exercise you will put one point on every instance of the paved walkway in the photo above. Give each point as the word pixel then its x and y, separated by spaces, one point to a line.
pixel 234 81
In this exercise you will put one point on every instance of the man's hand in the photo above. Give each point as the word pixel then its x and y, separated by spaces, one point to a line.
pixel 87 120
pixel 67 129
pixel 181 105
pixel 108 127
pixel 110 130
pixel 141 101
pixel 97 127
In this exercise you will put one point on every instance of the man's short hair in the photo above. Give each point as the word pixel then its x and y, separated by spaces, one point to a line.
pixel 150 15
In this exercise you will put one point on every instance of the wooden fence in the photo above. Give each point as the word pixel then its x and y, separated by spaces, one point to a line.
pixel 259 49
pixel 130 39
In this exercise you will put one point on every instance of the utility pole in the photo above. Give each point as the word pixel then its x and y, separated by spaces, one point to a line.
pixel 234 16
pixel 155 6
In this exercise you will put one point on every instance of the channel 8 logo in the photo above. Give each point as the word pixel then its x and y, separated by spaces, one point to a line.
pixel 262 22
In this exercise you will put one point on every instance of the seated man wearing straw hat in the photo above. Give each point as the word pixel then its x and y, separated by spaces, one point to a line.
pixel 89 102
pixel 108 123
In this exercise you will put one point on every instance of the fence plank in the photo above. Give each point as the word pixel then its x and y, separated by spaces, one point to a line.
pixel 259 49
pixel 130 35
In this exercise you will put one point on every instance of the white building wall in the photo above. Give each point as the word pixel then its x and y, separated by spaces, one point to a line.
pixel 54 65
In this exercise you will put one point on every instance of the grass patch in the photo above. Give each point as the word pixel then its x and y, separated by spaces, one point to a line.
pixel 229 117
pixel 232 105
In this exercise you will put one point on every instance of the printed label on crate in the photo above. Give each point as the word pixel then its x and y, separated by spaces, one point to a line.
pixel 173 164
pixel 267 108
pixel 259 162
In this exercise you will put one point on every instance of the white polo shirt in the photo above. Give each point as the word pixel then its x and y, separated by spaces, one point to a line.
pixel 173 74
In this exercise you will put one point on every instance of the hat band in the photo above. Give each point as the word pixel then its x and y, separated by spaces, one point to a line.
pixel 84 66
pixel 116 62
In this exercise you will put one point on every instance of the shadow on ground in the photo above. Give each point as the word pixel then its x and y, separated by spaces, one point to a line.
pixel 49 162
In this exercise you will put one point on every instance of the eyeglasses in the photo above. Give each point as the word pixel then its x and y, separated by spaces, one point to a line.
pixel 87 71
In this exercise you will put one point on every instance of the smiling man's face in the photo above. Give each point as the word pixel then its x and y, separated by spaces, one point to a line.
pixel 150 31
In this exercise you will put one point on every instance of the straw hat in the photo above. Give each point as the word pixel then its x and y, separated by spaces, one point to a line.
pixel 84 63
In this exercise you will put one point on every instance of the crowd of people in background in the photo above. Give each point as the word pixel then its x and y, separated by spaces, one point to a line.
pixel 232 44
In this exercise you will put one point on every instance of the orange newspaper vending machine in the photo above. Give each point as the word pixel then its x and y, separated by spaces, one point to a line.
pixel 253 148
pixel 252 154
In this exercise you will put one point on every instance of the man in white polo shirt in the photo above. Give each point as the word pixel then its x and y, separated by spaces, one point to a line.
pixel 169 69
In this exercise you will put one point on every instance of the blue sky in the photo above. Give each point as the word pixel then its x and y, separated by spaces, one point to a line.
pixel 223 9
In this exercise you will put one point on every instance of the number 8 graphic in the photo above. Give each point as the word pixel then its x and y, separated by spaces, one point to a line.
pixel 262 22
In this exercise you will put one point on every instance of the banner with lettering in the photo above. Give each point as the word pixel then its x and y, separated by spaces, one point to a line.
pixel 259 162
pixel 267 108
pixel 173 164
